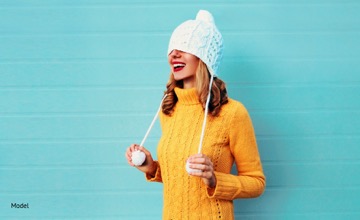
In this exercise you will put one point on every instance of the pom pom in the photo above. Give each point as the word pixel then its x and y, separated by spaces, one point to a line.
pixel 138 157
pixel 203 15
pixel 191 170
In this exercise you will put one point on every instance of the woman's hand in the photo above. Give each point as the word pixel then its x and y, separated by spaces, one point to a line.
pixel 203 163
pixel 149 166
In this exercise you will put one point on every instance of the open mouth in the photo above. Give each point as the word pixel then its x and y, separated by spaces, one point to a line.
pixel 178 66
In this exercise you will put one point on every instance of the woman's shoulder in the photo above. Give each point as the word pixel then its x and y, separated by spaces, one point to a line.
pixel 234 106
pixel 236 113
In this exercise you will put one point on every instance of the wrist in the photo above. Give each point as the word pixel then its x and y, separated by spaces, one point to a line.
pixel 212 183
pixel 152 169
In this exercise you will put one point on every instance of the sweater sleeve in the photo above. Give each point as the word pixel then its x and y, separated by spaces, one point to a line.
pixel 250 180
pixel 157 176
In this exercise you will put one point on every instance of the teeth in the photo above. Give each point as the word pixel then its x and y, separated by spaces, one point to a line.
pixel 178 65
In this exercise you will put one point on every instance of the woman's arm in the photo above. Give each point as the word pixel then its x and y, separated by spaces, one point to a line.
pixel 250 179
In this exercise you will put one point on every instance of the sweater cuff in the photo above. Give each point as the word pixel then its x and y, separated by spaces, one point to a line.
pixel 156 177
pixel 227 186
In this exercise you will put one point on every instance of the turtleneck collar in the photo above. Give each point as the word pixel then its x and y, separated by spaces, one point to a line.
pixel 187 96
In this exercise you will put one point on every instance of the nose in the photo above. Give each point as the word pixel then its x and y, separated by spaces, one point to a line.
pixel 175 53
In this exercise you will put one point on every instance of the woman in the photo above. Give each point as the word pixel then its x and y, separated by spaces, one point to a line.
pixel 202 130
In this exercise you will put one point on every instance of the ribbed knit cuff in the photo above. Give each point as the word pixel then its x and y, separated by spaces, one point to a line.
pixel 156 177
pixel 227 186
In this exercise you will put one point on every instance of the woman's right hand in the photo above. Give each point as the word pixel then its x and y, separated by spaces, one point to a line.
pixel 149 166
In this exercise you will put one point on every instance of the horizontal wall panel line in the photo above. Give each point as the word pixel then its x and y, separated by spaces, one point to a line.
pixel 311 162
pixel 292 85
pixel 154 86
pixel 135 192
pixel 296 213
pixel 305 136
pixel 300 110
pixel 71 141
pixel 80 192
pixel 233 58
pixel 134 60
pixel 286 137
pixel 311 188
pixel 122 164
pixel 83 60
pixel 157 4
pixel 150 139
pixel 133 216
pixel 310 214
pixel 151 113
pixel 165 33
pixel 92 166
pixel 153 191
pixel 4 34
pixel 129 87
pixel 77 114
pixel 156 139
pixel 297 32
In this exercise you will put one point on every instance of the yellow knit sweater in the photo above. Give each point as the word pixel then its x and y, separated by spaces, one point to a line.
pixel 229 138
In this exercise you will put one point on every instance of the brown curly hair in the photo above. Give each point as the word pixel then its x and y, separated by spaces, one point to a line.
pixel 218 96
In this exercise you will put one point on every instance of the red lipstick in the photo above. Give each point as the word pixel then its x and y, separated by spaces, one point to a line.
pixel 178 66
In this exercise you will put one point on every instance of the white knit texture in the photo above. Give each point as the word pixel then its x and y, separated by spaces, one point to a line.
pixel 138 157
pixel 201 38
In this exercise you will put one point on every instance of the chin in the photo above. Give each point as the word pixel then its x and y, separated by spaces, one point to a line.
pixel 178 77
pixel 184 77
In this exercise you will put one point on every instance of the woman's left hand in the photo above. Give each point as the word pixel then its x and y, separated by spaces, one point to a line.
pixel 203 163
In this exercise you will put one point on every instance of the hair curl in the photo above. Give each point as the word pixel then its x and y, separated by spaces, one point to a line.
pixel 218 95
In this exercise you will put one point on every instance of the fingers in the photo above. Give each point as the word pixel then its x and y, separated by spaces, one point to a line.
pixel 130 149
pixel 147 164
pixel 201 162
pixel 203 168
pixel 147 153
pixel 200 159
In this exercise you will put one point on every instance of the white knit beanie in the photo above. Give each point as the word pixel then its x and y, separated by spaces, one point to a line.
pixel 201 38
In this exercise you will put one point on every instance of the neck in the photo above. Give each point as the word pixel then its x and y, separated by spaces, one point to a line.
pixel 188 83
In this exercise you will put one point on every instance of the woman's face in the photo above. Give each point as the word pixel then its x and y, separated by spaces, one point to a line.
pixel 183 65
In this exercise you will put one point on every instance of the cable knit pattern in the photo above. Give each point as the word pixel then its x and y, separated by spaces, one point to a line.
pixel 229 138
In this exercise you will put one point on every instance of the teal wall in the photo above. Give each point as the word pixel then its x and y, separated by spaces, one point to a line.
pixel 81 80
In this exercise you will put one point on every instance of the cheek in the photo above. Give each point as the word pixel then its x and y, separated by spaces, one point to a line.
pixel 193 68
pixel 195 65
